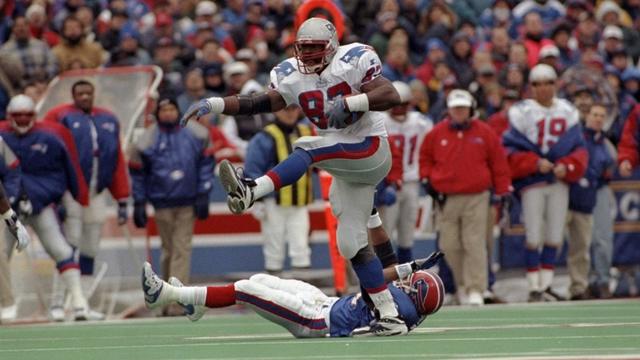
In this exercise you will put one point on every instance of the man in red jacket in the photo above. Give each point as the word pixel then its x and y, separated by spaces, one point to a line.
pixel 461 160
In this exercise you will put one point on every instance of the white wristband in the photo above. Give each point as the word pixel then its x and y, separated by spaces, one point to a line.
pixel 8 214
pixel 374 221
pixel 403 270
pixel 357 103
pixel 217 104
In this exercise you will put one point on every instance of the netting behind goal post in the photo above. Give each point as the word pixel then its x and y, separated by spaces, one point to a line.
pixel 125 91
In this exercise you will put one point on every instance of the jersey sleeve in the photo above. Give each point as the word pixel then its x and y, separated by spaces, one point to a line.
pixel 277 78
pixel 368 65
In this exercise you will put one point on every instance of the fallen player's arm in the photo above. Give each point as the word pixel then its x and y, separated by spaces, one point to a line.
pixel 402 271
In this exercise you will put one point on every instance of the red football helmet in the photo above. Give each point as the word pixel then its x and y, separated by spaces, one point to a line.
pixel 426 290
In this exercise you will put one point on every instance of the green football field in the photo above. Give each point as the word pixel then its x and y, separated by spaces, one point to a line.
pixel 576 330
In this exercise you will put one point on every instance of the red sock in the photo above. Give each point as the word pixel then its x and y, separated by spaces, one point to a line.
pixel 220 296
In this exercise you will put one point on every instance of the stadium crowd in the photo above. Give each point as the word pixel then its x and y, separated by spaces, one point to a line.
pixel 428 48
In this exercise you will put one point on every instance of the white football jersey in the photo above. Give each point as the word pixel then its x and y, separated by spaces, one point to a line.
pixel 543 125
pixel 352 66
pixel 408 136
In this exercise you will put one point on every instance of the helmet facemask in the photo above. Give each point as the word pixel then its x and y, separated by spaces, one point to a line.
pixel 312 55
pixel 22 122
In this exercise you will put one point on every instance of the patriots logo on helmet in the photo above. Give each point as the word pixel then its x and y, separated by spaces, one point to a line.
pixel 426 291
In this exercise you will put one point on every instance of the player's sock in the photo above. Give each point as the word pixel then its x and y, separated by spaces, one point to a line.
pixel 404 254
pixel 87 264
pixel 369 270
pixel 532 259
pixel 71 278
pixel 264 186
pixel 220 296
pixel 548 261
pixel 288 171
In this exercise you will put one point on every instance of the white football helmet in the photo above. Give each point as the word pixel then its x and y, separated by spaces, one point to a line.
pixel 403 90
pixel 316 44
pixel 542 72
pixel 21 111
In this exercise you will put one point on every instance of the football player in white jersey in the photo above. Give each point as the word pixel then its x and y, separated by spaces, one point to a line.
pixel 341 90
pixel 546 151
pixel 407 129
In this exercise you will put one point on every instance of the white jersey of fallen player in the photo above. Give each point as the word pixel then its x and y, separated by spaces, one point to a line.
pixel 542 125
pixel 352 66
pixel 408 135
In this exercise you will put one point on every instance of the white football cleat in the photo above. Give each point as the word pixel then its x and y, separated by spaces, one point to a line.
pixel 475 299
pixel 56 313
pixel 153 287
pixel 86 314
pixel 389 326
pixel 240 191
pixel 192 312
pixel 9 313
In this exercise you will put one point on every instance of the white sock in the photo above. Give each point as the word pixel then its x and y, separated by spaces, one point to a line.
pixel 533 279
pixel 546 278
pixel 383 301
pixel 71 278
pixel 195 295
pixel 264 186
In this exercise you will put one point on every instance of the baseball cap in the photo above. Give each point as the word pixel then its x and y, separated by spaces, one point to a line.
pixel 549 51
pixel 205 8
pixel 435 43
pixel 612 31
pixel 165 41
pixel 245 54
pixel 235 68
pixel 542 72
pixel 459 97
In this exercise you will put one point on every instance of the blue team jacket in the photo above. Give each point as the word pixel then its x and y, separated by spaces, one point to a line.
pixel 582 195
pixel 171 166
pixel 112 169
pixel 48 165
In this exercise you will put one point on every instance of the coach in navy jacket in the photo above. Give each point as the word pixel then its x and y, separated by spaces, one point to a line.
pixel 172 168
pixel 96 133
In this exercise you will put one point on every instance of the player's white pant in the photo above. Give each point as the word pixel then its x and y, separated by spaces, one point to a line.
pixel 545 205
pixel 284 225
pixel 83 225
pixel 46 226
pixel 402 215
pixel 299 307
pixel 357 166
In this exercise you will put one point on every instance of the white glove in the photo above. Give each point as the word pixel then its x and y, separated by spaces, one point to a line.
pixel 17 230
pixel 259 211
pixel 24 207
pixel 203 107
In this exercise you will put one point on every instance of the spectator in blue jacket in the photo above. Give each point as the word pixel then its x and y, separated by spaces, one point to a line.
pixel 172 168
pixel 582 200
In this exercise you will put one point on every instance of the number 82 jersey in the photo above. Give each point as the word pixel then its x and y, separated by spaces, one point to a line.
pixel 352 66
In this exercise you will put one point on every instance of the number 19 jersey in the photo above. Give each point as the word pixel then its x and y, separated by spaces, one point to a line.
pixel 352 66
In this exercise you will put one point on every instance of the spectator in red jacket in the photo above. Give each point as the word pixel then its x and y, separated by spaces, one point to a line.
pixel 461 160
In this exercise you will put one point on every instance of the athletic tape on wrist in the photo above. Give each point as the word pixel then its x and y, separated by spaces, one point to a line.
pixel 217 104
pixel 357 103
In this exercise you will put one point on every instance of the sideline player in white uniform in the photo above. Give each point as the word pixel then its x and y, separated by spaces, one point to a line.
pixel 546 151
pixel 302 308
pixel 406 129
pixel 340 90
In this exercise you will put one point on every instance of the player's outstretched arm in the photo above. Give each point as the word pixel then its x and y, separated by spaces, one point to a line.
pixel 269 101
